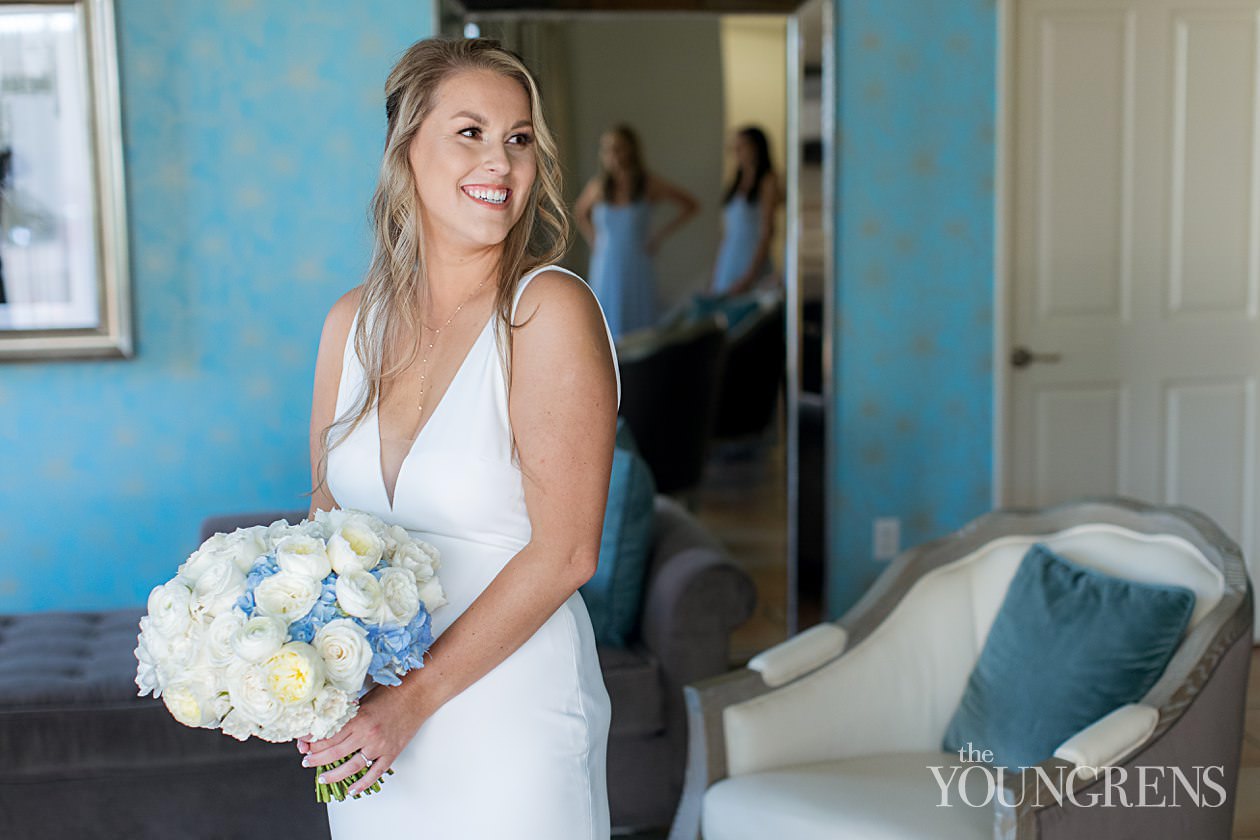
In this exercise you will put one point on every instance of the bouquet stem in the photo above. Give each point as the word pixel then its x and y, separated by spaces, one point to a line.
pixel 340 790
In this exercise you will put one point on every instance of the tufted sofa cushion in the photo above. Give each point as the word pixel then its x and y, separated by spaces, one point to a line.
pixel 68 704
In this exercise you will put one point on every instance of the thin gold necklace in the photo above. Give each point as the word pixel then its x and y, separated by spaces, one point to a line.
pixel 424 362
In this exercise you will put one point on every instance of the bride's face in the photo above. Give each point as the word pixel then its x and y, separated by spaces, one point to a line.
pixel 473 159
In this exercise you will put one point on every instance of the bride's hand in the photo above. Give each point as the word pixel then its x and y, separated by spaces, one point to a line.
pixel 380 730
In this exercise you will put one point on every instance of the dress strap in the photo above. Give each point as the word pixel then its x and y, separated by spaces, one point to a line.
pixel 612 344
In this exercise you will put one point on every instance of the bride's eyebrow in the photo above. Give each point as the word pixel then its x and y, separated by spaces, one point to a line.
pixel 480 120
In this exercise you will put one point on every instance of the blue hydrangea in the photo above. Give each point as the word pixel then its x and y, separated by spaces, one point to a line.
pixel 263 568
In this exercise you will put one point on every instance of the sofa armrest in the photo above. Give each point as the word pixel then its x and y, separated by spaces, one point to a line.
pixel 1109 739
pixel 800 654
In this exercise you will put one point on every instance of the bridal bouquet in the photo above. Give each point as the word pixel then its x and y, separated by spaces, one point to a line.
pixel 273 631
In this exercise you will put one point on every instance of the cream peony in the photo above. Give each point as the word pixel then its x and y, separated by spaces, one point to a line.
pixel 295 674
pixel 360 595
pixel 259 638
pixel 417 557
pixel 286 595
pixel 355 545
pixel 402 596
pixel 191 700
pixel 343 645
pixel 303 555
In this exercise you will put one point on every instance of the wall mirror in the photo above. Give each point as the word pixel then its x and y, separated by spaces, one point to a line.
pixel 686 75
pixel 64 284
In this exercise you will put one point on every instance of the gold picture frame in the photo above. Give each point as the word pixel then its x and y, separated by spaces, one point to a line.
pixel 64 272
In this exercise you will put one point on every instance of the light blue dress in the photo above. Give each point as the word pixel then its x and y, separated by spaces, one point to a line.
pixel 621 272
pixel 741 228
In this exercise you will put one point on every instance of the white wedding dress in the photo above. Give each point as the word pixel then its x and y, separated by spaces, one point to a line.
pixel 520 754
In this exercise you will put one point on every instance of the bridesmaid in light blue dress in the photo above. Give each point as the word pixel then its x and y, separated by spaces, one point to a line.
pixel 614 213
pixel 747 217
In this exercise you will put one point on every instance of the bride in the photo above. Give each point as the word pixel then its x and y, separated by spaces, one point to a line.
pixel 467 391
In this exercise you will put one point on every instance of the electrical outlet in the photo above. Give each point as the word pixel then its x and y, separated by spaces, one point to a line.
pixel 886 537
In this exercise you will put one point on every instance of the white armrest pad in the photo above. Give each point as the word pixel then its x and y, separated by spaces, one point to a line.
pixel 1110 738
pixel 800 654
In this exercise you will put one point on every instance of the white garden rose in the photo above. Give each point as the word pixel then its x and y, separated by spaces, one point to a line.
pixel 168 608
pixel 259 638
pixel 432 594
pixel 247 687
pixel 191 700
pixel 216 590
pixel 295 674
pixel 360 595
pixel 395 535
pixel 333 709
pixel 219 636
pixel 343 645
pixel 303 555
pixel 402 596
pixel 286 595
pixel 355 545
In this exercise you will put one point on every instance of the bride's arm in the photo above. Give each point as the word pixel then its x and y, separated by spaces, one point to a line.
pixel 332 344
pixel 563 407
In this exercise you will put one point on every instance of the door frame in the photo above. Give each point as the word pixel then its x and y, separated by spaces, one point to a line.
pixel 1003 208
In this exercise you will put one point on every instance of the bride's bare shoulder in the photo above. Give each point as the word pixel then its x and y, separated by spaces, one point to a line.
pixel 341 315
pixel 562 301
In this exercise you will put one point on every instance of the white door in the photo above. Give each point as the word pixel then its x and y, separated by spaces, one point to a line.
pixel 1135 256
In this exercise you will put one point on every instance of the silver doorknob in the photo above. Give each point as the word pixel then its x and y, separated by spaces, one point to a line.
pixel 1022 357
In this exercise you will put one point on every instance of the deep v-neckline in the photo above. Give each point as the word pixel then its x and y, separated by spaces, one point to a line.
pixel 391 498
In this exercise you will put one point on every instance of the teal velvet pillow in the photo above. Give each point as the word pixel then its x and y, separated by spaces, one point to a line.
pixel 1068 646
pixel 614 595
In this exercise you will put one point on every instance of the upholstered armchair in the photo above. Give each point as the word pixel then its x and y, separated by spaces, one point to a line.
pixel 832 734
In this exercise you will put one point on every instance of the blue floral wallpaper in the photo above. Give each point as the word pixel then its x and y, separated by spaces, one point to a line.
pixel 912 429
pixel 252 133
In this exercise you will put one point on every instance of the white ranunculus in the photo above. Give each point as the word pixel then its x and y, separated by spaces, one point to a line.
pixel 191 700
pixel 220 584
pixel 355 545
pixel 418 557
pixel 247 687
pixel 287 595
pixel 343 644
pixel 219 635
pixel 259 637
pixel 295 674
pixel 168 608
pixel 303 555
pixel 432 594
pixel 402 596
pixel 333 709
pixel 360 595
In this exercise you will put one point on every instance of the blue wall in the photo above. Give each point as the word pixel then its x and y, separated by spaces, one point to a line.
pixel 253 132
pixel 912 430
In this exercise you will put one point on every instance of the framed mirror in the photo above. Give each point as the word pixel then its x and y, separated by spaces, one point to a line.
pixel 687 74
pixel 64 280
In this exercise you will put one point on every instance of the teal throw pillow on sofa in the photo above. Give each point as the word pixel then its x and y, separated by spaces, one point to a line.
pixel 614 595
pixel 1068 646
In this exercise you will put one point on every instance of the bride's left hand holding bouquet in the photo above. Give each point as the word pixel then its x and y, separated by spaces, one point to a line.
pixel 275 631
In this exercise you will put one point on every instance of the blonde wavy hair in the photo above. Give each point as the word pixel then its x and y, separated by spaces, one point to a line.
pixel 388 312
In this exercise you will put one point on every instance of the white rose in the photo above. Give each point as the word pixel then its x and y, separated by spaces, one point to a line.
pixel 418 557
pixel 431 594
pixel 216 590
pixel 402 596
pixel 344 647
pixel 247 687
pixel 191 700
pixel 303 555
pixel 168 608
pixel 295 674
pixel 286 595
pixel 360 595
pixel 355 545
pixel 259 638
pixel 333 709
pixel 219 635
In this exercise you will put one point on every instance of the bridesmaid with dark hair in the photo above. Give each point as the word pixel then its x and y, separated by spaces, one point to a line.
pixel 747 216
pixel 614 213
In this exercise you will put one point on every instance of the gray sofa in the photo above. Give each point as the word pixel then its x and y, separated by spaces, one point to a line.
pixel 85 758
